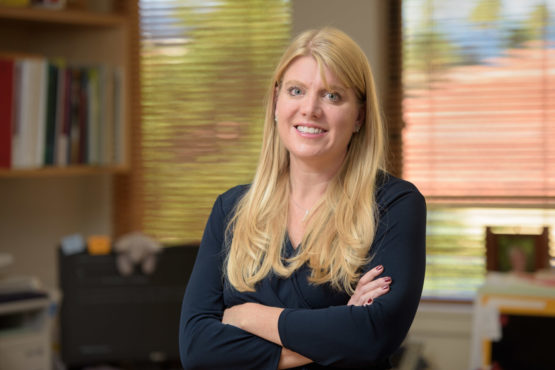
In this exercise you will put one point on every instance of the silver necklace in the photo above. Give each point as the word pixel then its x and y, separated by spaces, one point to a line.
pixel 306 210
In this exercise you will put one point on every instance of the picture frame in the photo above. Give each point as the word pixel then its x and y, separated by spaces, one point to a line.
pixel 523 253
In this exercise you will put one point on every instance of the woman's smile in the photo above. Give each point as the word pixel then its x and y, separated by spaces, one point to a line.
pixel 309 130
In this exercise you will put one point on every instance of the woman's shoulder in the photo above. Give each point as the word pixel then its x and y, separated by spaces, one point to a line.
pixel 230 197
pixel 390 188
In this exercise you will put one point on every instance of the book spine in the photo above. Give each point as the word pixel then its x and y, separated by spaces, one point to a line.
pixel 51 108
pixel 74 126
pixel 64 144
pixel 94 116
pixel 7 70
pixel 83 118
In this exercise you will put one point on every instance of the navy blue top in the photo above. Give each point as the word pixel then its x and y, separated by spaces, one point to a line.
pixel 316 321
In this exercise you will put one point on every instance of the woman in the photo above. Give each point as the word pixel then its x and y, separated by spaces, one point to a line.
pixel 320 261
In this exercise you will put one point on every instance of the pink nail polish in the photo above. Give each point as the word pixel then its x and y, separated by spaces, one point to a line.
pixel 379 268
pixel 385 287
pixel 387 279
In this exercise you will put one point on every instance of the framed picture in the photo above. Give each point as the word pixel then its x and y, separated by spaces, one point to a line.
pixel 517 252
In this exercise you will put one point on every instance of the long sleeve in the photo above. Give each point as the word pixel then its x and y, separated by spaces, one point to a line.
pixel 204 342
pixel 355 336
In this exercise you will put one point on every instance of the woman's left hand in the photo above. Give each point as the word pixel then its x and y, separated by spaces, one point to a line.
pixel 370 287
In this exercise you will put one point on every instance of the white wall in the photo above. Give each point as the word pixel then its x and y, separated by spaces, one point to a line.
pixel 35 213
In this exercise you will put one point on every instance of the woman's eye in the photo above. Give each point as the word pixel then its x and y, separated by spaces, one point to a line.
pixel 332 96
pixel 294 91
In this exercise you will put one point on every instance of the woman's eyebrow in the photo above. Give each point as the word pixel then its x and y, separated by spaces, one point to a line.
pixel 294 82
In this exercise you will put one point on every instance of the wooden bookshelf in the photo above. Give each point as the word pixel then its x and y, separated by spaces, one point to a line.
pixel 66 16
pixel 81 37
pixel 76 170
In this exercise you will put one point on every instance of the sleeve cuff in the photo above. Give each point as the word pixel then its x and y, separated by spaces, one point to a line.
pixel 282 326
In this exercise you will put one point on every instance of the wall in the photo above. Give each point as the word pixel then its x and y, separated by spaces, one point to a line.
pixel 35 213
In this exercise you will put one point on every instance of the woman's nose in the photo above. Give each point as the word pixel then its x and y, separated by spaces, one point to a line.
pixel 311 106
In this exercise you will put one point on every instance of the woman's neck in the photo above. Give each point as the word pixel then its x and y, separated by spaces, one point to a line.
pixel 308 184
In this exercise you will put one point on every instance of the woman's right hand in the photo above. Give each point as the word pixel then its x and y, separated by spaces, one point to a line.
pixel 369 287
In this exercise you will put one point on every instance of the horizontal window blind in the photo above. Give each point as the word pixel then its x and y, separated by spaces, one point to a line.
pixel 205 67
pixel 479 114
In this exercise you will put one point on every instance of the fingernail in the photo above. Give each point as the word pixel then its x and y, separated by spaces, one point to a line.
pixel 387 279
pixel 379 268
pixel 385 287
pixel 370 301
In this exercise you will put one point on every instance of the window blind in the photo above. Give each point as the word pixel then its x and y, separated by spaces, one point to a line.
pixel 205 67
pixel 479 135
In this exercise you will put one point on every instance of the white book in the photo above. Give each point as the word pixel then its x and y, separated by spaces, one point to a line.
pixel 30 113
pixel 25 133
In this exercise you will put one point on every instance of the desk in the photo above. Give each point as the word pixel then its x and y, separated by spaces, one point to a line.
pixel 507 310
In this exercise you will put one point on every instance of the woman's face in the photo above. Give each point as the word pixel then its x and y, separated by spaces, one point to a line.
pixel 316 123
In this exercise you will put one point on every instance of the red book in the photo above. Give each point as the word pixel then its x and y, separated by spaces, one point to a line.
pixel 6 111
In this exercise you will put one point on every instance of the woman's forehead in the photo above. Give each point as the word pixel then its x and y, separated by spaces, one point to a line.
pixel 307 69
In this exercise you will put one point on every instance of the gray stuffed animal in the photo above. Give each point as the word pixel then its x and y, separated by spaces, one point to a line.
pixel 136 248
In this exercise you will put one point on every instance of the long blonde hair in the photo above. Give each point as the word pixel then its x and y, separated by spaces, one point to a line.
pixel 339 234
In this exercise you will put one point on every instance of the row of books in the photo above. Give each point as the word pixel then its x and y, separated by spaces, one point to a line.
pixel 56 114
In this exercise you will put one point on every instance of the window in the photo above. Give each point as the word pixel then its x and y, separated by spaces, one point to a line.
pixel 479 135
pixel 205 67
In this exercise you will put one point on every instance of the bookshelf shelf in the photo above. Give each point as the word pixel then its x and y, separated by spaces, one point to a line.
pixel 62 171
pixel 70 17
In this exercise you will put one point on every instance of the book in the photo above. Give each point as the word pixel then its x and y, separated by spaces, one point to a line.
pixel 6 110
pixel 60 146
pixel 74 133
pixel 83 118
pixel 30 106
pixel 51 113
pixel 38 109
pixel 63 147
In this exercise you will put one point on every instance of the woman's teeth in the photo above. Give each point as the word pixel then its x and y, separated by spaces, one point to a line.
pixel 309 130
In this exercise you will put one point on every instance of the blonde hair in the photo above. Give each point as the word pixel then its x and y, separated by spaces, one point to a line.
pixel 339 234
